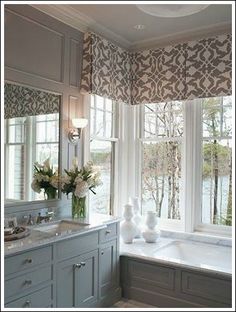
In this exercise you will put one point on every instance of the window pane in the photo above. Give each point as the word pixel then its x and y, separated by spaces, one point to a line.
pixel 211 121
pixel 161 178
pixel 47 130
pixel 227 121
pixel 108 123
pixel 167 122
pixel 217 182
pixel 99 102
pixel 44 151
pixel 17 130
pixel 101 155
pixel 99 123
pixel 101 117
pixel 16 172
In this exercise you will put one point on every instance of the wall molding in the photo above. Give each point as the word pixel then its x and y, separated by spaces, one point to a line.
pixel 84 23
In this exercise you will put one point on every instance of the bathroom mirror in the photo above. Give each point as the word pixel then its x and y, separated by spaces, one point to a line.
pixel 31 128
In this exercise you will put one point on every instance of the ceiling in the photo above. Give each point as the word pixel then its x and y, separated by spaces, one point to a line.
pixel 116 22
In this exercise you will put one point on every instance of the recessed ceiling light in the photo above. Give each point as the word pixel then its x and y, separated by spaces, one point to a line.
pixel 139 26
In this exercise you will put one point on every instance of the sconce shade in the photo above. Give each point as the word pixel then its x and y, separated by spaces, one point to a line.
pixel 74 134
pixel 79 122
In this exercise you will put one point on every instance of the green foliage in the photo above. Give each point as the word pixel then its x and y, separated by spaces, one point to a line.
pixel 223 155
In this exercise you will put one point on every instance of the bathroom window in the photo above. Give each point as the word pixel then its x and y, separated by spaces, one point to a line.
pixel 217 161
pixel 161 159
pixel 103 145
pixel 185 163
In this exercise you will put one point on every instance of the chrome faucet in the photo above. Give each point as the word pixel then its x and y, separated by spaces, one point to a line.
pixel 46 218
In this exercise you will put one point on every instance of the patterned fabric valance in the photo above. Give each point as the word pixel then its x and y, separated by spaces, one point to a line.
pixel 106 69
pixel 22 101
pixel 196 69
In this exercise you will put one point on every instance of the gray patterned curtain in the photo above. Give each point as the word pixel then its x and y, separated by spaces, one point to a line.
pixel 20 101
pixel 106 69
pixel 196 69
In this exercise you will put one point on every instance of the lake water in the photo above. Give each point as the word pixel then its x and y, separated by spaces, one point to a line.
pixel 100 201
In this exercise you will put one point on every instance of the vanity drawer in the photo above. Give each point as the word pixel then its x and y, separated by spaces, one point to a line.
pixel 26 281
pixel 76 246
pixel 108 233
pixel 39 299
pixel 27 260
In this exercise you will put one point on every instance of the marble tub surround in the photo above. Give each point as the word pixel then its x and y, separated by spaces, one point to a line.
pixel 39 237
pixel 198 237
pixel 204 257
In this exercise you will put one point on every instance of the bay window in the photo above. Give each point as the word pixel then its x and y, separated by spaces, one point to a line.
pixel 179 137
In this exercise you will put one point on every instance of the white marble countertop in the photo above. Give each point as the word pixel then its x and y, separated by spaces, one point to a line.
pixel 201 256
pixel 39 238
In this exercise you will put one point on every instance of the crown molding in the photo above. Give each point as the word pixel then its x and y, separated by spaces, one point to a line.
pixel 181 37
pixel 66 14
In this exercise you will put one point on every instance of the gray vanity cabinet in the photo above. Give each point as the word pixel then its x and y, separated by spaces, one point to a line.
pixel 109 286
pixel 108 267
pixel 77 280
pixel 79 271
pixel 29 279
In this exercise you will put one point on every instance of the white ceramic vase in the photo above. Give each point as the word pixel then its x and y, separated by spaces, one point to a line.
pixel 150 234
pixel 128 229
pixel 137 218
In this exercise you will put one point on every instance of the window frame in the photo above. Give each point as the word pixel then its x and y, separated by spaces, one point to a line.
pixel 191 172
pixel 30 141
pixel 115 142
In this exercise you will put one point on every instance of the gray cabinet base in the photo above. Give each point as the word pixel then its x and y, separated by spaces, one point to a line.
pixel 110 299
pixel 170 286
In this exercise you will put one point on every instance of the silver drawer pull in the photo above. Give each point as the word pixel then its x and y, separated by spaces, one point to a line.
pixel 102 252
pixel 27 303
pixel 29 260
pixel 77 265
pixel 28 282
pixel 82 263
pixel 108 232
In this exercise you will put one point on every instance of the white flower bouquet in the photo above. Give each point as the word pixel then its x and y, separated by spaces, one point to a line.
pixel 79 182
pixel 45 178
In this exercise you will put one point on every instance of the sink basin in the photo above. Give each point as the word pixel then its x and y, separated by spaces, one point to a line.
pixel 62 227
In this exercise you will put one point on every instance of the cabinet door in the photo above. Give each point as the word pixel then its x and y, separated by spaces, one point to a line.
pixel 108 267
pixel 86 280
pixel 77 281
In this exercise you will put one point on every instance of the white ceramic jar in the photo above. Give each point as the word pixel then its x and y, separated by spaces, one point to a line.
pixel 128 229
pixel 150 234
pixel 137 218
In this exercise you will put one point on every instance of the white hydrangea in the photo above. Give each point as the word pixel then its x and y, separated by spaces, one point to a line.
pixel 81 189
pixel 35 186
pixel 65 180
pixel 54 181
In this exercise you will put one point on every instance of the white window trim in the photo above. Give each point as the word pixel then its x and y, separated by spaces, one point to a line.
pixel 116 151
pixel 192 168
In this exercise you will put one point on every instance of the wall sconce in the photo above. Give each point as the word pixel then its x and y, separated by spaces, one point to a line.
pixel 74 134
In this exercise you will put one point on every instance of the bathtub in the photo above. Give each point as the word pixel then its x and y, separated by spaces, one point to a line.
pixel 177 273
pixel 202 255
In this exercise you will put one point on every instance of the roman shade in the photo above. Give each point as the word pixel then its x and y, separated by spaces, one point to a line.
pixel 20 101
pixel 106 69
pixel 195 69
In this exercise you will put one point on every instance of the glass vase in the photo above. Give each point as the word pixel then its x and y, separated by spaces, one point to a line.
pixel 50 193
pixel 78 207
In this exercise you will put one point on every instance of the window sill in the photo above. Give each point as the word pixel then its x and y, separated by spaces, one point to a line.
pixel 198 236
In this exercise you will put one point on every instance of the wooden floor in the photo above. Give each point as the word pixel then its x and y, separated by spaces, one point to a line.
pixel 127 303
